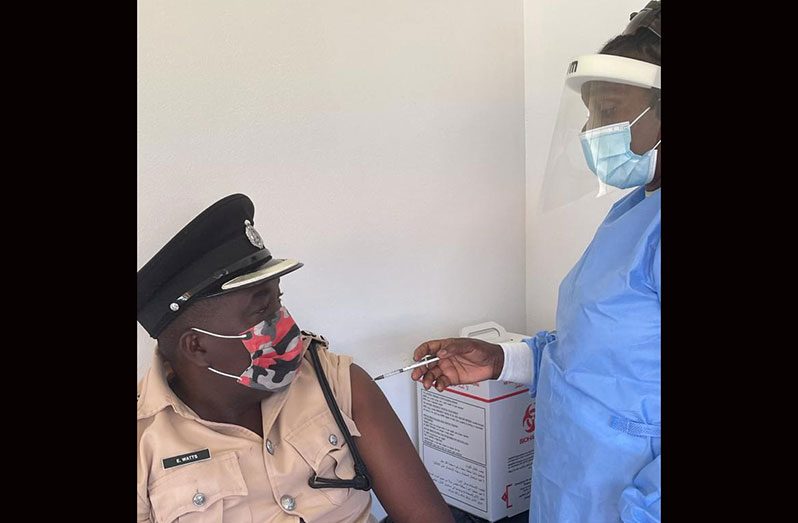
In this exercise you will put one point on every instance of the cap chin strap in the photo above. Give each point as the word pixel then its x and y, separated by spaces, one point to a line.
pixel 207 288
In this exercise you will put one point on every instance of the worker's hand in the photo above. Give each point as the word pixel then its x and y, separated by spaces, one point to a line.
pixel 463 360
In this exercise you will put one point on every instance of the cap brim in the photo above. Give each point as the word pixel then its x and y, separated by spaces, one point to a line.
pixel 270 270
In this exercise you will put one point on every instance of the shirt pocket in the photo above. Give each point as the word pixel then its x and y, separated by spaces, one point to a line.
pixel 195 493
pixel 322 446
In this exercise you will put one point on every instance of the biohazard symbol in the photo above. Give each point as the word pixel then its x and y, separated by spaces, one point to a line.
pixel 529 418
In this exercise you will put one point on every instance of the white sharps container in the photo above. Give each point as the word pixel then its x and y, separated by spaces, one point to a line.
pixel 477 441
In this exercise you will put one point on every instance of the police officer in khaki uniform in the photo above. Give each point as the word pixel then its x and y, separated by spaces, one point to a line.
pixel 243 417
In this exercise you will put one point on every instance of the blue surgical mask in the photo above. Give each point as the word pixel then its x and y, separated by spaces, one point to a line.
pixel 609 155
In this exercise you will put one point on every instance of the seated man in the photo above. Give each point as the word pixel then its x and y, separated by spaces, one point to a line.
pixel 243 417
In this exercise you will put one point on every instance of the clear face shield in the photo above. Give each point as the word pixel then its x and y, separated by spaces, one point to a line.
pixel 607 134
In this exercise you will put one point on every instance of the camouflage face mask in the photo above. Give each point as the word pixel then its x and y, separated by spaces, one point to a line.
pixel 275 348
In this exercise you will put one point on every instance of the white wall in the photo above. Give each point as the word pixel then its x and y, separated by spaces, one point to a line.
pixel 554 34
pixel 382 143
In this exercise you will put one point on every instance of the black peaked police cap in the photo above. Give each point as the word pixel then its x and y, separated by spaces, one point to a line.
pixel 219 251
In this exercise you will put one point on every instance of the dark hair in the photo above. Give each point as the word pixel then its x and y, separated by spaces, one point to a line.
pixel 643 45
pixel 642 37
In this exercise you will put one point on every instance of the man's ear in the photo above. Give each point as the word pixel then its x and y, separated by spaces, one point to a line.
pixel 191 349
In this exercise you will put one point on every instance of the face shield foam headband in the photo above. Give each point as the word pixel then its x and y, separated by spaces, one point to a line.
pixel 611 68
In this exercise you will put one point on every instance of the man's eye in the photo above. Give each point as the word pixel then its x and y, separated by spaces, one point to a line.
pixel 260 312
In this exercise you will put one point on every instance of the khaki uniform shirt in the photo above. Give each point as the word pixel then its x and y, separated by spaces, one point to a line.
pixel 192 470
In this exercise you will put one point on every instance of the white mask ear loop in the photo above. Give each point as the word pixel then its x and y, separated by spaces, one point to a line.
pixel 639 117
pixel 246 336
pixel 222 373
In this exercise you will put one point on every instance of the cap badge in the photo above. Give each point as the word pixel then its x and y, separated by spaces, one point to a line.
pixel 252 235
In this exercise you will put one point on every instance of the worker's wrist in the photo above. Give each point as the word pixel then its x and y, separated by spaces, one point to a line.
pixel 498 362
pixel 517 363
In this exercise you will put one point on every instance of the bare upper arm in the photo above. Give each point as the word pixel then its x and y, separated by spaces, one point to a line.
pixel 398 476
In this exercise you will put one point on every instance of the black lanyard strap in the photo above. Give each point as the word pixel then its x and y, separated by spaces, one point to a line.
pixel 361 481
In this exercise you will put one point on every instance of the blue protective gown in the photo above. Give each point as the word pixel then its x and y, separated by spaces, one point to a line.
pixel 597 439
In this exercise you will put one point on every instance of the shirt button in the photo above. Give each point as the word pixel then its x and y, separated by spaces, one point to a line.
pixel 270 447
pixel 288 502
pixel 333 439
pixel 199 499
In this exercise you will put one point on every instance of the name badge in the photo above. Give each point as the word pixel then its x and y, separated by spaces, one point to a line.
pixel 183 459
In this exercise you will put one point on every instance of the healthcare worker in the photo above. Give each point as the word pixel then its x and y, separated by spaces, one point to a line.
pixel 597 377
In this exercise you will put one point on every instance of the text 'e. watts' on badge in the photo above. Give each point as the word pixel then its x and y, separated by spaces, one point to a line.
pixel 184 459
